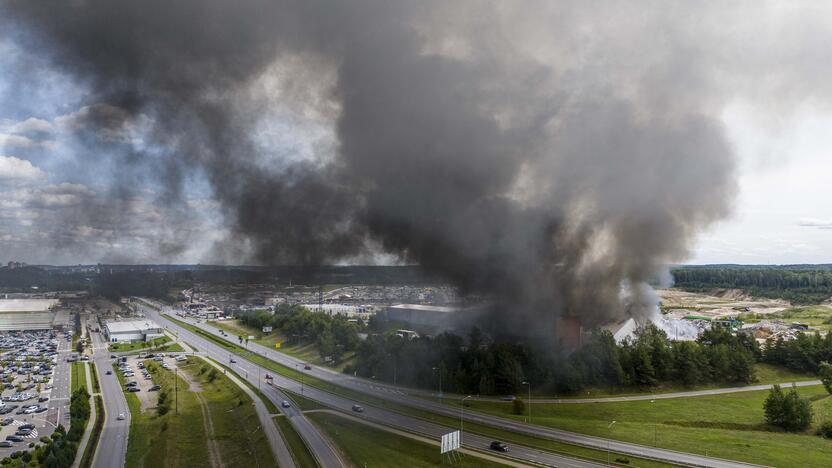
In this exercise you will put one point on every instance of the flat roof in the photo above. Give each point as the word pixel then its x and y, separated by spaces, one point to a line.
pixel 426 308
pixel 131 326
pixel 27 305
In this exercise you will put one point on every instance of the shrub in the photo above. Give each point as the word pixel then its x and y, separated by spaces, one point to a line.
pixel 787 411
pixel 825 430
pixel 518 406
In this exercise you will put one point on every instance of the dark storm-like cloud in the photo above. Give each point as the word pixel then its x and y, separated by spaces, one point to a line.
pixel 549 179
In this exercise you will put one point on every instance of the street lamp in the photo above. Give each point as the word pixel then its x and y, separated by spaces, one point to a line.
pixel 608 444
pixel 440 381
pixel 655 429
pixel 529 401
pixel 462 418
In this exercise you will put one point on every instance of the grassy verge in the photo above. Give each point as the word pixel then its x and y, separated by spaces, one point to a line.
pixel 96 388
pixel 78 376
pixel 95 435
pixel 269 404
pixel 304 403
pixel 170 440
pixel 237 431
pixel 305 351
pixel 139 345
pixel 489 431
pixel 300 452
pixel 367 446
pixel 728 426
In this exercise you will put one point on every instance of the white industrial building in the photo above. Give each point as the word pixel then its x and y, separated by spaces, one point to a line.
pixel 27 314
pixel 132 331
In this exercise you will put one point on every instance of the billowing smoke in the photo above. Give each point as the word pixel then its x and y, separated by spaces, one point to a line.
pixel 526 150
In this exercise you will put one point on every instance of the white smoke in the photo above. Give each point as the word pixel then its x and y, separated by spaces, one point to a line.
pixel 643 304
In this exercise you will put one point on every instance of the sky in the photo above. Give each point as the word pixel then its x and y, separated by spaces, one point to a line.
pixel 62 146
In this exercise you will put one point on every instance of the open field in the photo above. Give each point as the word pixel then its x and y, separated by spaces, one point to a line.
pixel 817 316
pixel 181 436
pixel 78 376
pixel 367 446
pixel 305 351
pixel 489 431
pixel 300 452
pixel 722 303
pixel 159 344
pixel 728 426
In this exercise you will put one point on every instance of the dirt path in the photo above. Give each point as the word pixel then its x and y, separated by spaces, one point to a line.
pixel 213 448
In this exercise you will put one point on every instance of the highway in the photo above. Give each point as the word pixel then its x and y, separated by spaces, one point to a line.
pixel 385 417
pixel 112 446
pixel 391 393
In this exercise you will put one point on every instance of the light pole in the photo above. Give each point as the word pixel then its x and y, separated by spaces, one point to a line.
pixel 529 401
pixel 462 418
pixel 608 444
pixel 439 371
pixel 655 429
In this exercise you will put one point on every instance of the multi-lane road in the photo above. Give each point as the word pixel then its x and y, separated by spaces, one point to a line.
pixel 381 416
pixel 112 446
pixel 398 395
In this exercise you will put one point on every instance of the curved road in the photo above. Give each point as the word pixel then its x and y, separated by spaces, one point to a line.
pixel 391 393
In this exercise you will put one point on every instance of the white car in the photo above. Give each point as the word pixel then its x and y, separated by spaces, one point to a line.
pixel 129 374
pixel 120 417
pixel 165 366
pixel 30 410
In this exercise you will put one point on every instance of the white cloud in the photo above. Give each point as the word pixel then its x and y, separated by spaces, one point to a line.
pixel 33 126
pixel 14 169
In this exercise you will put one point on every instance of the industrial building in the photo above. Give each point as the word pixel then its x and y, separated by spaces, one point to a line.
pixel 27 314
pixel 439 317
pixel 132 331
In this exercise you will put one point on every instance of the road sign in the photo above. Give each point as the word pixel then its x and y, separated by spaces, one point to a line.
pixel 450 441
pixel 277 345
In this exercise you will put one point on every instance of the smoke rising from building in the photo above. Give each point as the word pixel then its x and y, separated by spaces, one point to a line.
pixel 528 150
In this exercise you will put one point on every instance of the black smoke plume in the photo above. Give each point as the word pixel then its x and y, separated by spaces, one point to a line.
pixel 559 181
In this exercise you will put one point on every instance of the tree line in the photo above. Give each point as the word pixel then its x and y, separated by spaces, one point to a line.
pixel 799 285
pixel 333 335
pixel 478 367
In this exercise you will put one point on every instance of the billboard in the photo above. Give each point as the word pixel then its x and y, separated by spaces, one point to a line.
pixel 450 441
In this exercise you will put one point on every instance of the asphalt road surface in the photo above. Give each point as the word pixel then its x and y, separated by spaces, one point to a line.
pixel 399 395
pixel 378 415
pixel 112 446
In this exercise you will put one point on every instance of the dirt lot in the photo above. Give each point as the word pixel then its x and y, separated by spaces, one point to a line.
pixel 679 303
pixel 147 398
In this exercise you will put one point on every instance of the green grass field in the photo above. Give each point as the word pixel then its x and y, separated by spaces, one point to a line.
pixel 78 376
pixel 300 452
pixel 727 426
pixel 490 431
pixel 368 446
pixel 237 430
pixel 305 351
pixel 139 345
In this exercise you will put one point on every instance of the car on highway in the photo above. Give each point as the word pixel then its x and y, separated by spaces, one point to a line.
pixel 508 398
pixel 498 446
pixel 233 361
pixel 6 443
pixel 285 404
pixel 358 408
pixel 109 372
pixel 120 417
pixel 307 367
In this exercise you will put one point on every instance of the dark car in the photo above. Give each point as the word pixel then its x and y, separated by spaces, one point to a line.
pixel 154 388
pixel 307 367
pixel 109 372
pixel 42 399
pixel 26 426
pixel 6 422
pixel 131 384
pixel 133 389
pixel 14 438
pixel 498 446
pixel 41 409
pixel 233 361
pixel 6 443
pixel 508 398
pixel 358 408
pixel 23 432
pixel 113 356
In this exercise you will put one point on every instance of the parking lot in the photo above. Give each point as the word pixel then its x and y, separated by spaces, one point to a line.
pixel 35 386
pixel 138 377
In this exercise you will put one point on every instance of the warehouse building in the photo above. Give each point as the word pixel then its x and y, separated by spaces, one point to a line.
pixel 27 314
pixel 434 316
pixel 132 331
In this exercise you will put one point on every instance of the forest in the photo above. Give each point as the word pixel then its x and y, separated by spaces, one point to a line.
pixel 798 284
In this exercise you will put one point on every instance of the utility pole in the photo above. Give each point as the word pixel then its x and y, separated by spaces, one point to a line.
pixel 529 401
pixel 176 389
pixel 608 445
pixel 462 418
